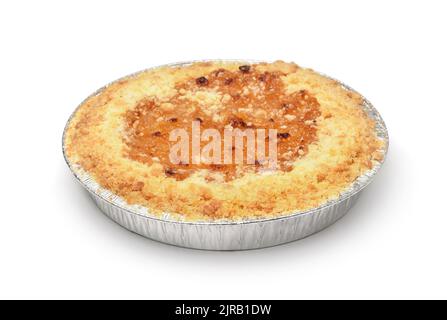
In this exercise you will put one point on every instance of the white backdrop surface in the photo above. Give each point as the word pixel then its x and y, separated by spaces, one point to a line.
pixel 54 243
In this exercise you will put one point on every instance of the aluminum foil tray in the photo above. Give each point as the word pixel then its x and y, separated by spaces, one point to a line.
pixel 229 235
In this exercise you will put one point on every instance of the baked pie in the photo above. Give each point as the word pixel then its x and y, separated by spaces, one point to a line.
pixel 320 137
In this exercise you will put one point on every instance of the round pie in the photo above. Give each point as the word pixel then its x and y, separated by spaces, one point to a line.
pixel 125 136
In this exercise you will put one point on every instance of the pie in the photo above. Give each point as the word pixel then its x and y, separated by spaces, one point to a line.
pixel 122 138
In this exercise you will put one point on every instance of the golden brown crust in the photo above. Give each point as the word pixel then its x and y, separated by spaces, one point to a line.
pixel 346 146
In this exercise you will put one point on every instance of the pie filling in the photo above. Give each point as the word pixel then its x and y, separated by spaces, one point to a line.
pixel 242 99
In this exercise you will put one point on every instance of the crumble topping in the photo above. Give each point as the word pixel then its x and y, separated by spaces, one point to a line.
pixel 245 98
pixel 118 137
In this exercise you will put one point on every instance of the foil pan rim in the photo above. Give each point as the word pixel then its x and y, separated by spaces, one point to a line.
pixel 356 186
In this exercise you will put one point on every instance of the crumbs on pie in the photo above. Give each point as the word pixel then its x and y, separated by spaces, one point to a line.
pixel 325 140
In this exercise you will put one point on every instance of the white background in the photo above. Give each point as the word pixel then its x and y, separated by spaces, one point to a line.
pixel 54 243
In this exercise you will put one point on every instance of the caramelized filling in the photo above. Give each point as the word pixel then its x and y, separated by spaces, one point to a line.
pixel 246 98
